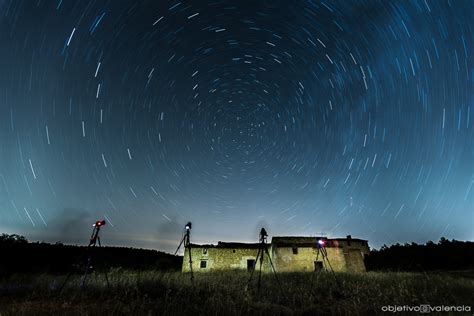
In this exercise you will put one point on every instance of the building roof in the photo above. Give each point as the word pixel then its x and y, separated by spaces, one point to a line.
pixel 304 241
pixel 293 241
pixel 232 245
pixel 282 241
pixel 221 244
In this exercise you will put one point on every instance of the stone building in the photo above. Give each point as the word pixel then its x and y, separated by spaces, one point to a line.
pixel 288 254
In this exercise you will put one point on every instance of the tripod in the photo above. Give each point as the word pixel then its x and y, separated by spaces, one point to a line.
pixel 92 244
pixel 261 251
pixel 326 264
pixel 186 240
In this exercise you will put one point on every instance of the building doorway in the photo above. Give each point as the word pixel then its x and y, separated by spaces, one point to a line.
pixel 250 264
pixel 318 266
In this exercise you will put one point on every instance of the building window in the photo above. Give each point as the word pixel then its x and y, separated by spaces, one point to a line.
pixel 204 251
pixel 203 264
pixel 295 250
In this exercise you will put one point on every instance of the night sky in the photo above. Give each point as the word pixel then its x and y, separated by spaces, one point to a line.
pixel 306 117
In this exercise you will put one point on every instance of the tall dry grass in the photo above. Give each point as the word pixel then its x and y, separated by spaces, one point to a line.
pixel 225 293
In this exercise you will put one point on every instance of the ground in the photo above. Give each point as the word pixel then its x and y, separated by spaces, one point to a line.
pixel 226 293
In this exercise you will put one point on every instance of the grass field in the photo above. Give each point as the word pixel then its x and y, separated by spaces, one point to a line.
pixel 172 293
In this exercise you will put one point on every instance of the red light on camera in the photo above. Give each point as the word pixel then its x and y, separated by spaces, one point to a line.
pixel 99 223
pixel 321 243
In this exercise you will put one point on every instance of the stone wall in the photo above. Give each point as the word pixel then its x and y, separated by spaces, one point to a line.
pixel 345 255
pixel 222 259
pixel 286 260
pixel 354 252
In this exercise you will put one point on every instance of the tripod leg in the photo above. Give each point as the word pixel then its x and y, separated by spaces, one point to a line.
pixel 318 273
pixel 253 268
pixel 312 277
pixel 65 281
pixel 260 273
pixel 106 279
pixel 191 264
pixel 103 271
pixel 179 246
pixel 85 273
pixel 325 255
pixel 274 271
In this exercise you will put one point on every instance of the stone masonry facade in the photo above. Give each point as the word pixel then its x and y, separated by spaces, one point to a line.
pixel 288 254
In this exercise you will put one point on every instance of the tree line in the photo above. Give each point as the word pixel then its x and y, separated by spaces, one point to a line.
pixel 20 256
pixel 444 255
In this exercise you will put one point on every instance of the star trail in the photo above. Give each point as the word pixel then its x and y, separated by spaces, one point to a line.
pixel 308 117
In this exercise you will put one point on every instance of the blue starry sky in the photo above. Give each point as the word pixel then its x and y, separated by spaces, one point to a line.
pixel 306 117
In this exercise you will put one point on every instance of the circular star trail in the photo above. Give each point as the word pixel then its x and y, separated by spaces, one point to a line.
pixel 312 117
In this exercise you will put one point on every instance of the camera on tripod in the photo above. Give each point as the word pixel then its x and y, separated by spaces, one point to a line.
pixel 186 242
pixel 188 226
pixel 321 242
pixel 99 223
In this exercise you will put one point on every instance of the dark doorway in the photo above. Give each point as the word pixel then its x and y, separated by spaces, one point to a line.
pixel 250 264
pixel 318 266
